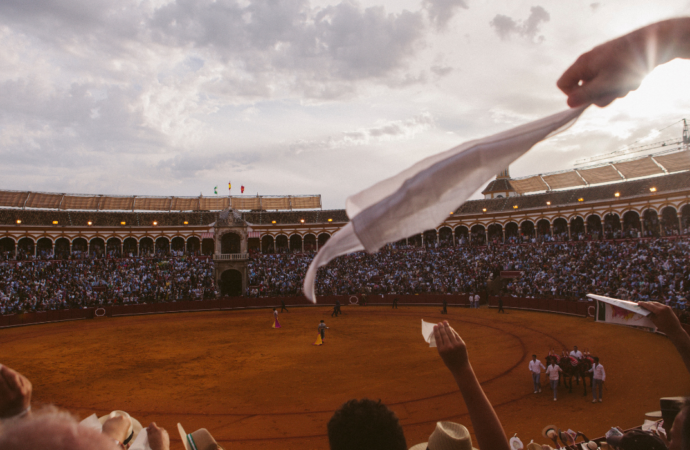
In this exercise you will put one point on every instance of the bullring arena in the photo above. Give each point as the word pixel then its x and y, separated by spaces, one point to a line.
pixel 255 387
pixel 162 307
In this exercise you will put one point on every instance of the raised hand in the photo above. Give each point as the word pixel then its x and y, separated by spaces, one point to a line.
pixel 117 428
pixel 663 317
pixel 158 437
pixel 613 69
pixel 450 347
pixel 15 393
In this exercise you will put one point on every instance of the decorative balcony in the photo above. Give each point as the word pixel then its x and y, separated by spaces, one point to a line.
pixel 230 256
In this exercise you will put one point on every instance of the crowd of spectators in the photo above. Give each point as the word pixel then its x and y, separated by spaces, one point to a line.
pixel 28 286
pixel 657 269
pixel 637 269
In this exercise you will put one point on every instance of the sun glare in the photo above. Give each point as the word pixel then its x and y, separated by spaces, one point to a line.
pixel 662 91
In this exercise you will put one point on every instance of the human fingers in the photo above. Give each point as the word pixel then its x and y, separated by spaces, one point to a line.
pixel 440 336
pixel 580 71
pixel 653 307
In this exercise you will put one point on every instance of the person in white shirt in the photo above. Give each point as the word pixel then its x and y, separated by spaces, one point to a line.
pixel 476 300
pixel 598 378
pixel 553 372
pixel 576 353
pixel 535 367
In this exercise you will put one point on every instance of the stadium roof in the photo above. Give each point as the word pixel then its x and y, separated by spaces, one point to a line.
pixel 645 166
pixel 72 202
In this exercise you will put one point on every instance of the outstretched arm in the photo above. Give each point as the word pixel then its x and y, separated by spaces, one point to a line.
pixel 613 69
pixel 487 427
pixel 667 322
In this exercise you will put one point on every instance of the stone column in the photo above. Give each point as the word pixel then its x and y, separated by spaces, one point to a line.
pixel 302 244
pixel 504 234
pixel 486 233
pixel 569 237
pixel 680 224
pixel 275 244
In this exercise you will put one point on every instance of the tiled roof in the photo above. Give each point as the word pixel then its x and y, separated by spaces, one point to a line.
pixel 498 185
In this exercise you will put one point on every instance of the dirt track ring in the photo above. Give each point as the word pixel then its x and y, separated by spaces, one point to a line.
pixel 201 369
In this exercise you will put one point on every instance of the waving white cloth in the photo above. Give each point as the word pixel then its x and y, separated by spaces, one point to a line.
pixel 419 198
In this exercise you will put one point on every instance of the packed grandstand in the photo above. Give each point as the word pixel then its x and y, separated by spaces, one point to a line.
pixel 626 240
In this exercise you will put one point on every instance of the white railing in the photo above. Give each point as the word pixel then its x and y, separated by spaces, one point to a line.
pixel 230 256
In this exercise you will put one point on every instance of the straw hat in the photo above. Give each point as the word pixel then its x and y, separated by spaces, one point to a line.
pixel 533 446
pixel 447 436
pixel 134 427
pixel 201 439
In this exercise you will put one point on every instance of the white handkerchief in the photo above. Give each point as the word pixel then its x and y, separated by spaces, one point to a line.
pixel 141 442
pixel 420 197
pixel 428 333
pixel 92 422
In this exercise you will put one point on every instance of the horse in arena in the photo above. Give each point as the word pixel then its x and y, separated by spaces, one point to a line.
pixel 578 368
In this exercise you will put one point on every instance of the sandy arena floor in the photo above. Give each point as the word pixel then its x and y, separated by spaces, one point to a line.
pixel 255 387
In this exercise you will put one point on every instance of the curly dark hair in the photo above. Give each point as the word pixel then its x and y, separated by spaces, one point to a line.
pixel 365 425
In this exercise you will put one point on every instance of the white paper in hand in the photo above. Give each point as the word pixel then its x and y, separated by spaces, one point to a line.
pixel 141 442
pixel 428 333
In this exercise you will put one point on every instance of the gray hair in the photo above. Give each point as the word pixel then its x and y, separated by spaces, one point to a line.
pixel 51 429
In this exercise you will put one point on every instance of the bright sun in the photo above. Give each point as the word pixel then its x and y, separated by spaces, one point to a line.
pixel 662 91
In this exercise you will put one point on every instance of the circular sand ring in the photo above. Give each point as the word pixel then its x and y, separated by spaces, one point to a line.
pixel 356 302
pixel 96 312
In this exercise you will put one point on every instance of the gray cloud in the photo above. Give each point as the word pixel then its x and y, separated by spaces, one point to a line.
pixel 441 11
pixel 340 42
pixel 506 26
pixel 389 131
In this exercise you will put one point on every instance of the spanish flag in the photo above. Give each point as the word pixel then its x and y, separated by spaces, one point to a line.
pixel 242 189
pixel 229 186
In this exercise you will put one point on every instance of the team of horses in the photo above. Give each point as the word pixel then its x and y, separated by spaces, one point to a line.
pixel 573 368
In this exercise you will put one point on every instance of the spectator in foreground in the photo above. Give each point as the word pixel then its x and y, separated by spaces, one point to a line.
pixel 368 425
pixel 667 322
pixel 611 70
pixel 52 429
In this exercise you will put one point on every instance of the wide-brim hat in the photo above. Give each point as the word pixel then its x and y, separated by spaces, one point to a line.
pixel 636 440
pixel 134 428
pixel 516 443
pixel 201 439
pixel 546 432
pixel 447 436
pixel 533 446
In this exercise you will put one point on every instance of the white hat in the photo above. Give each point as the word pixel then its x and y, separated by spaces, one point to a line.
pixel 516 443
pixel 447 436
pixel 134 427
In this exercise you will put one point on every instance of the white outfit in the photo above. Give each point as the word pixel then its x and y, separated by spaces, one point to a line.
pixel 552 372
pixel 576 354
pixel 536 366
pixel 599 372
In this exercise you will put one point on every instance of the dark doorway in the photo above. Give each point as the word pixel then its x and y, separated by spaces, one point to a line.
pixel 231 283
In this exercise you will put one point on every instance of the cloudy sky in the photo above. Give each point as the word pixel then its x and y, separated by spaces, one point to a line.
pixel 290 97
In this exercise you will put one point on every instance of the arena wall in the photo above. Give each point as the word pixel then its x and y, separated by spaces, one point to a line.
pixel 232 303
